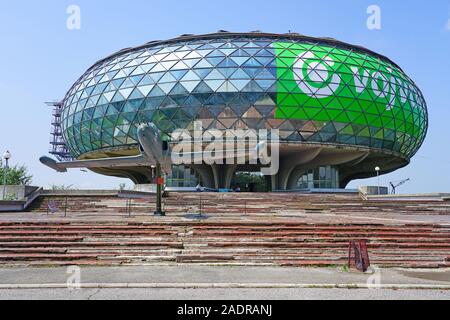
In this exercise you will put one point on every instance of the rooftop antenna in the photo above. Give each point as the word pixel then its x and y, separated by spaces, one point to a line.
pixel 58 146
pixel 395 184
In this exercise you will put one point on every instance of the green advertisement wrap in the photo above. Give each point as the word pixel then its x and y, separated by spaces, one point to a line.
pixel 363 96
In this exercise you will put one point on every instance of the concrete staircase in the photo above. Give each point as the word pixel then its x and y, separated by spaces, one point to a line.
pixel 274 229
pixel 241 204
pixel 225 243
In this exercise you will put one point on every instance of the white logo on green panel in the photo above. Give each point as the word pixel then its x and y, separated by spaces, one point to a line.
pixel 315 82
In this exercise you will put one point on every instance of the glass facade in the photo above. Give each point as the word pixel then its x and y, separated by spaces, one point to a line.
pixel 311 90
pixel 319 178
pixel 182 176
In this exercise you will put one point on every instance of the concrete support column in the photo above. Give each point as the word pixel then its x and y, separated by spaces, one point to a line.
pixel 289 163
pixel 206 174
pixel 274 181
pixel 223 174
pixel 293 178
pixel 269 182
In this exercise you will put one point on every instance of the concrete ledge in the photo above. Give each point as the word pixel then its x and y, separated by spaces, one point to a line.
pixel 226 285
pixel 412 197
pixel 80 193
pixel 318 191
pixel 11 205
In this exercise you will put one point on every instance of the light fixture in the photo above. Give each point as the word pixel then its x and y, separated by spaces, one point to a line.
pixel 377 169
pixel 7 155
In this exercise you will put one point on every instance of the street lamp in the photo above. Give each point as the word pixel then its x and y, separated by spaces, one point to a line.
pixel 6 156
pixel 377 169
pixel 159 186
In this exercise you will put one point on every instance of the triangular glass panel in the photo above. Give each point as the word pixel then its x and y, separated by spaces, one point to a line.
pixel 120 74
pixel 127 84
pixel 145 89
pixel 136 79
pixel 202 88
pixel 166 87
pixel 156 91
pixel 202 72
pixel 214 84
pixel 168 103
pixel 227 63
pixel 108 96
pixel 240 74
pixel 117 97
pixel 178 74
pixel 227 87
pixel 179 89
pixel 203 64
pixel 192 101
pixel 239 84
pixel 239 60
pixel 136 94
pixel 190 85
pixel 167 78
pixel 252 62
pixel 215 75
pixel 126 92
pixel 191 62
pixel 190 76
pixel 216 53
pixel 227 72
pixel 156 75
pixel 252 86
pixel 146 80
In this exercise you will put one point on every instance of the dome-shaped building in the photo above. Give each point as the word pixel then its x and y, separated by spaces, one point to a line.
pixel 340 109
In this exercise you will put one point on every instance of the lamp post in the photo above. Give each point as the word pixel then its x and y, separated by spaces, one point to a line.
pixel 6 156
pixel 159 186
pixel 377 169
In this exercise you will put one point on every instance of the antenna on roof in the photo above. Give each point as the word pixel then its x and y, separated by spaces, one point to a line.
pixel 53 103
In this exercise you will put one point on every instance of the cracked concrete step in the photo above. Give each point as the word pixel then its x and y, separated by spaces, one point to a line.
pixel 343 239
pixel 91 244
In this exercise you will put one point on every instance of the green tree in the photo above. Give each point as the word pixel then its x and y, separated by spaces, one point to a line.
pixel 56 187
pixel 248 181
pixel 16 175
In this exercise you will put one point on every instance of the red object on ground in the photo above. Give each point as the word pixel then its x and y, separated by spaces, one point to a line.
pixel 358 256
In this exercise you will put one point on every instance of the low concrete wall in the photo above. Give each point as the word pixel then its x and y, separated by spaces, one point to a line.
pixel 75 193
pixel 373 190
pixel 314 190
pixel 413 197
pixel 145 188
pixel 18 192
pixel 11 206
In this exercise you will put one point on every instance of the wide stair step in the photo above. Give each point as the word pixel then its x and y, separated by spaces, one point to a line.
pixel 222 243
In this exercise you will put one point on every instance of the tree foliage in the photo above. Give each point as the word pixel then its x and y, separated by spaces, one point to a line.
pixel 56 187
pixel 16 175
pixel 248 181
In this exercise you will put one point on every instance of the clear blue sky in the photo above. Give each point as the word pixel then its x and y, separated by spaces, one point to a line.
pixel 40 59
